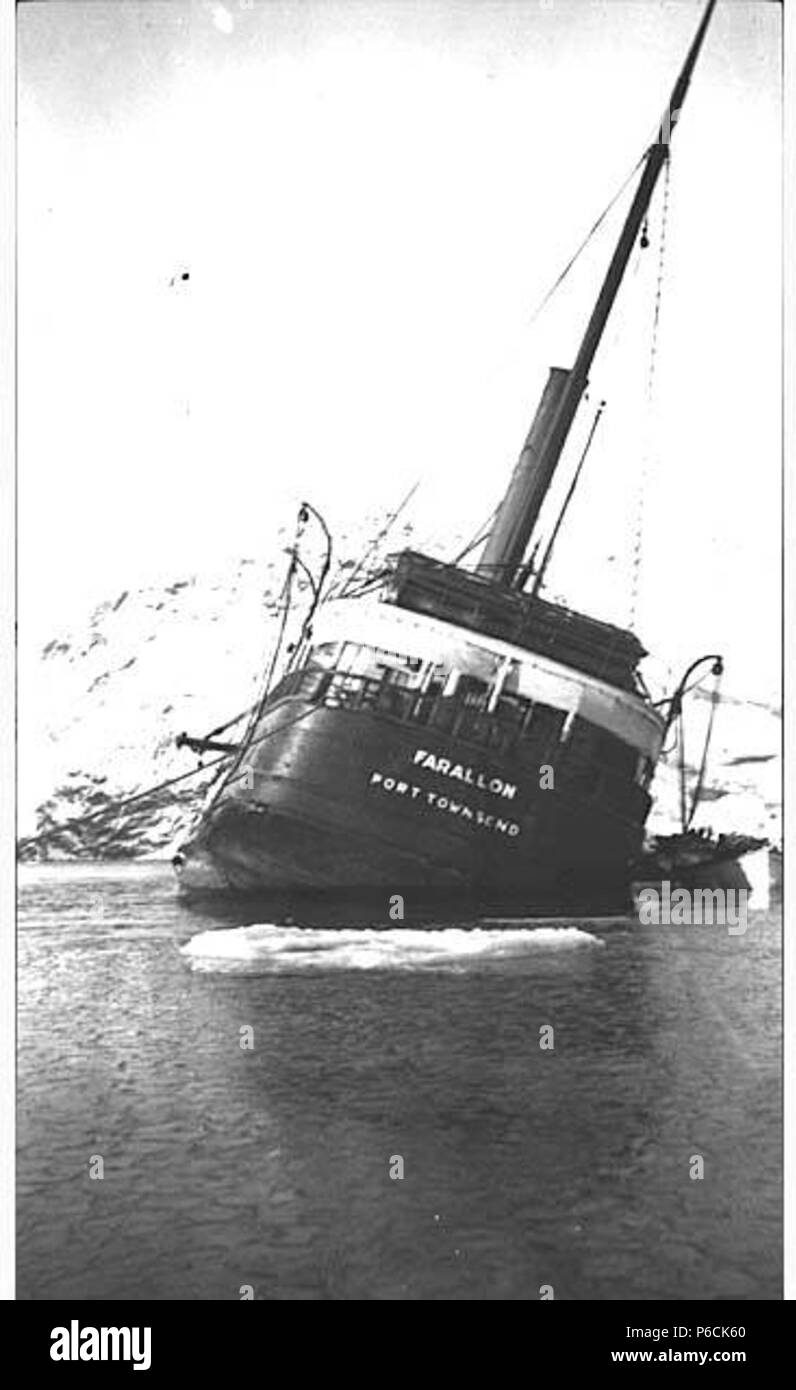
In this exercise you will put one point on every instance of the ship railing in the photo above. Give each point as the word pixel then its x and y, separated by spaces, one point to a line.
pixel 516 722
pixel 462 715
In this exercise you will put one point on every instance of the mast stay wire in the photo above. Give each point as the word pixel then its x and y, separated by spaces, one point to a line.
pixel 376 542
pixel 484 528
pixel 582 247
pixel 646 462
pixel 602 388
pixel 696 794
pixel 120 803
pixel 599 385
pixel 256 709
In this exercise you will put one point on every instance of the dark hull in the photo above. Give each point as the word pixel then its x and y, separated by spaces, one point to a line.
pixel 691 862
pixel 334 813
pixel 775 874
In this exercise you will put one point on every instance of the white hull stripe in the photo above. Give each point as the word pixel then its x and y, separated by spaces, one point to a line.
pixel 384 625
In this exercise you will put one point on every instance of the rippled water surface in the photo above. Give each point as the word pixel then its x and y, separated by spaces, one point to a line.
pixel 269 1166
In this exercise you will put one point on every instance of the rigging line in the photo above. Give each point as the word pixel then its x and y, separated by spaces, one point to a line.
pixel 119 805
pixel 284 600
pixel 254 742
pixel 704 762
pixel 317 589
pixel 150 792
pixel 667 752
pixel 480 535
pixel 222 728
pixel 226 777
pixel 257 708
pixel 484 531
pixel 570 494
pixel 286 593
pixel 470 547
pixel 635 580
pixel 193 772
pixel 368 584
pixel 390 522
pixel 567 268
pixel 310 578
pixel 683 798
pixel 316 585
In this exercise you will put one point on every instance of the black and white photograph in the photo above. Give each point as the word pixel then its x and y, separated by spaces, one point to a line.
pixel 399 658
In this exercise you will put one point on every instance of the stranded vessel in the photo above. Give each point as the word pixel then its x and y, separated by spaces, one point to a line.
pixel 447 733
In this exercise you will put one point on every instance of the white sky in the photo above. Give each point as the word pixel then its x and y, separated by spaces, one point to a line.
pixel 370 199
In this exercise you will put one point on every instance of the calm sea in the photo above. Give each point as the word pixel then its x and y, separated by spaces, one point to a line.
pixel 269 1167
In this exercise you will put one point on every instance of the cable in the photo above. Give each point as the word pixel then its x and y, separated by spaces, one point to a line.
pixel 386 528
pixel 222 728
pixel 704 762
pixel 483 531
pixel 481 535
pixel 651 373
pixel 119 805
pixel 570 494
pixel 254 742
pixel 155 790
pixel 565 272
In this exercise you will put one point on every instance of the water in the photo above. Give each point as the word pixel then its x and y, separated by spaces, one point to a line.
pixel 270 1167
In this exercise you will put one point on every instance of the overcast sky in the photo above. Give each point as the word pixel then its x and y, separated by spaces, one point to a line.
pixel 369 200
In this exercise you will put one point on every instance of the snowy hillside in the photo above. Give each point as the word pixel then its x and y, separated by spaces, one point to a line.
pixel 100 705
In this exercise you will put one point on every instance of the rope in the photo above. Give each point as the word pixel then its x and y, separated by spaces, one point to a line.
pixel 386 528
pixel 222 728
pixel 570 263
pixel 635 577
pixel 119 805
pixel 155 790
pixel 714 701
pixel 257 707
pixel 570 494
pixel 481 535
pixel 682 769
pixel 485 527
pixel 284 599
pixel 253 743
pixel 253 712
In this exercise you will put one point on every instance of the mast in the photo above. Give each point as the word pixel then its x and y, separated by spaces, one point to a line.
pixel 519 510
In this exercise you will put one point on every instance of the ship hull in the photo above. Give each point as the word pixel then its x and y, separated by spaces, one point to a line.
pixel 415 765
pixel 343 811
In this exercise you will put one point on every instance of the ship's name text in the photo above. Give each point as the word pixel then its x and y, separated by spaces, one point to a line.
pixel 469 775
pixel 485 820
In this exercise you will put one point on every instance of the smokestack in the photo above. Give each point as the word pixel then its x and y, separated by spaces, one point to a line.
pixel 505 549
